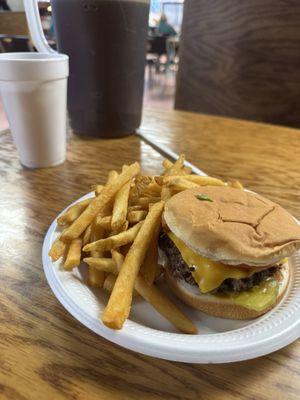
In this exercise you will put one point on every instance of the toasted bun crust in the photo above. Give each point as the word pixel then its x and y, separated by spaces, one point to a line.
pixel 237 227
pixel 223 308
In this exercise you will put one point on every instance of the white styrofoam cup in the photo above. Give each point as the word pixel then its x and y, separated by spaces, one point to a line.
pixel 33 88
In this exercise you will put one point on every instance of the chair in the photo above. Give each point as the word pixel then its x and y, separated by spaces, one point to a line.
pixel 241 59
pixel 158 45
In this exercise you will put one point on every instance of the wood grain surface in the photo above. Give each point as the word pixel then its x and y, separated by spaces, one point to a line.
pixel 44 352
pixel 264 157
pixel 241 59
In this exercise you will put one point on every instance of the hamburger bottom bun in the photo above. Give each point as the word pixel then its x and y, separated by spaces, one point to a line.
pixel 221 307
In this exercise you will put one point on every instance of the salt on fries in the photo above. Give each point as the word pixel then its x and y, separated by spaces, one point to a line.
pixel 115 233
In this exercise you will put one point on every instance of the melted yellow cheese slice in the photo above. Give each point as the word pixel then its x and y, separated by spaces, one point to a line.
pixel 257 298
pixel 207 273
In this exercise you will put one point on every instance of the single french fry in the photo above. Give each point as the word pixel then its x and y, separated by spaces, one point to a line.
pixel 176 168
pixel 114 241
pixel 73 212
pixel 97 231
pixel 199 180
pixel 109 282
pixel 118 258
pixel 179 184
pixel 119 214
pixel 150 264
pixel 104 222
pixel 145 201
pixel 87 235
pixel 102 264
pixel 136 216
pixel 119 304
pixel 167 164
pixel 96 277
pixel 165 193
pixel 236 185
pixel 98 189
pixel 73 255
pixel 112 175
pixel 164 305
pixel 98 204
pixel 57 250
pixel 156 298
pixel 107 209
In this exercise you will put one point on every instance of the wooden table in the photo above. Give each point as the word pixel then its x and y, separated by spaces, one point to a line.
pixel 44 352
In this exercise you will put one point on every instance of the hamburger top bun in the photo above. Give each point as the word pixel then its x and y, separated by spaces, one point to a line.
pixel 236 227
pixel 223 307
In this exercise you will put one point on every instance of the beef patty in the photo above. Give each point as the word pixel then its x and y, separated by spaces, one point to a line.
pixel 180 270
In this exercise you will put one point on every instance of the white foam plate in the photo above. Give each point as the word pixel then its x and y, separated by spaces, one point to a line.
pixel 218 341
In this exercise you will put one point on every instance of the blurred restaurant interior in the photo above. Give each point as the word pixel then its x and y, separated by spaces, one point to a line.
pixel 223 58
pixel 162 56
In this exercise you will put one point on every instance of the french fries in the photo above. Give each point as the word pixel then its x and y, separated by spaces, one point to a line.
pixel 164 306
pixel 140 184
pixel 167 164
pixel 109 282
pixel 236 184
pixel 98 204
pixel 156 298
pixel 118 219
pixel 152 190
pixel 175 169
pixel 96 277
pixel 116 233
pixel 73 213
pixel 98 189
pixel 145 201
pixel 179 184
pixel 74 255
pixel 118 307
pixel 150 264
pixel 196 179
pixel 112 175
pixel 102 264
pixel 57 250
pixel 114 241
pixel 87 235
pixel 136 216
pixel 104 222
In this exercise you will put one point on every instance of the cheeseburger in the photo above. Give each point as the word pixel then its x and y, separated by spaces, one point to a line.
pixel 226 250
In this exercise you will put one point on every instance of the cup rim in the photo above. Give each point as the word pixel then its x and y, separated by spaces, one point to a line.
pixel 33 57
